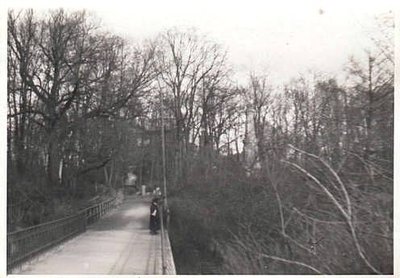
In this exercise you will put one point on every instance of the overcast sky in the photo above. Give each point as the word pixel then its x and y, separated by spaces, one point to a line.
pixel 284 38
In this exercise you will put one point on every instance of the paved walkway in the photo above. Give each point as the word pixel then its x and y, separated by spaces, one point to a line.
pixel 120 243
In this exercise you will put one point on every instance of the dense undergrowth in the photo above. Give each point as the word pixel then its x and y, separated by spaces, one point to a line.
pixel 228 222
pixel 206 213
pixel 38 205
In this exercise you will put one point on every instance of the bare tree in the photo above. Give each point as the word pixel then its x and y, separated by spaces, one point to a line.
pixel 75 72
pixel 258 100
pixel 186 63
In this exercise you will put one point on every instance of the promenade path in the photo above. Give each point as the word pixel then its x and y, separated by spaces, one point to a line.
pixel 119 243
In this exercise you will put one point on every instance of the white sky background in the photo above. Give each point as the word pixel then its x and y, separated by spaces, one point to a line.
pixel 282 38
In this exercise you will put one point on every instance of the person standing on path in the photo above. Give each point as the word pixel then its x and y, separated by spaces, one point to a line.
pixel 154 217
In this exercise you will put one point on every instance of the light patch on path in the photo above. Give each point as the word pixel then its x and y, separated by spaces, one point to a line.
pixel 120 243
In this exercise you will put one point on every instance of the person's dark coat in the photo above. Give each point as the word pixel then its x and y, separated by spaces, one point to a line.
pixel 154 217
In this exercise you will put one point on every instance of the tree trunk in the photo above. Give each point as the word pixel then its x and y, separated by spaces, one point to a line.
pixel 52 162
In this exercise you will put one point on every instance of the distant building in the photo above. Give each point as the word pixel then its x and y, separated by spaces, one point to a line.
pixel 130 183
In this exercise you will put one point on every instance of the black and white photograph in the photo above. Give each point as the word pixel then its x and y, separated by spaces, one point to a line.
pixel 198 137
